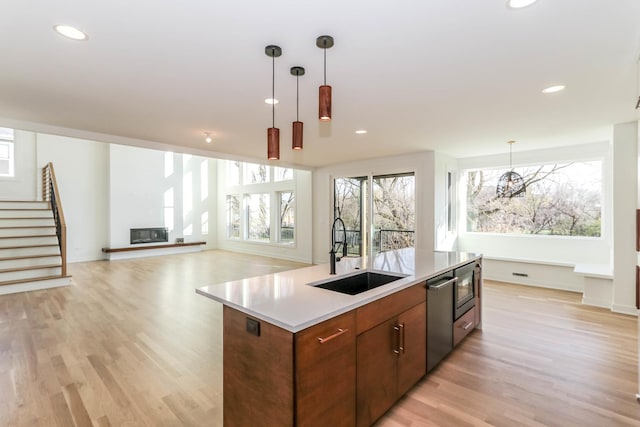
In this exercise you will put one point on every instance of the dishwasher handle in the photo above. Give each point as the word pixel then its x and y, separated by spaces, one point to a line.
pixel 442 285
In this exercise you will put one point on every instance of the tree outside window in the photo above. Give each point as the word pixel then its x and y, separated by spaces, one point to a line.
pixel 258 217
pixel 287 217
pixel 563 199
pixel 233 216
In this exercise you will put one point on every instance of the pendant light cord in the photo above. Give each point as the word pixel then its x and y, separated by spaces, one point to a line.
pixel 273 90
pixel 511 156
pixel 325 62
pixel 297 97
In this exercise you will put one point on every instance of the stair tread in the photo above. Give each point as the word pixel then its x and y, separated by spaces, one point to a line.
pixel 26 237
pixel 30 246
pixel 25 209
pixel 35 279
pixel 14 218
pixel 26 226
pixel 16 258
pixel 32 267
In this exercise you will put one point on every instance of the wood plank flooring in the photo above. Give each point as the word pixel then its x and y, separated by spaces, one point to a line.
pixel 129 343
pixel 542 359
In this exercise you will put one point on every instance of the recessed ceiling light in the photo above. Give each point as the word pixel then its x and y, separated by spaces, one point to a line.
pixel 70 32
pixel 361 131
pixel 519 4
pixel 208 137
pixel 271 101
pixel 553 89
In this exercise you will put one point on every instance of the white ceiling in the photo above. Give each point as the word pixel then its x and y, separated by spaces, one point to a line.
pixel 460 77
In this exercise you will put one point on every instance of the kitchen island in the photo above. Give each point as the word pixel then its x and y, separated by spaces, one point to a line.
pixel 296 354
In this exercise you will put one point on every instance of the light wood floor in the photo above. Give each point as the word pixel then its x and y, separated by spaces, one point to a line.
pixel 131 344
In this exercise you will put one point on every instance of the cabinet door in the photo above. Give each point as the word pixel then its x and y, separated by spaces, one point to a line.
pixel 326 373
pixel 412 361
pixel 377 375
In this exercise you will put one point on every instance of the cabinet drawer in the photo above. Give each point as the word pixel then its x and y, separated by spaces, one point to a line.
pixel 385 308
pixel 464 325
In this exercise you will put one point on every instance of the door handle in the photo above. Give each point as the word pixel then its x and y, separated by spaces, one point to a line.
pixel 397 348
pixel 442 285
pixel 402 336
pixel 330 337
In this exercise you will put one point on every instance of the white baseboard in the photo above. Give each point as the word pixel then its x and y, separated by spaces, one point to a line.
pixel 596 302
pixel 113 256
pixel 530 282
pixel 624 309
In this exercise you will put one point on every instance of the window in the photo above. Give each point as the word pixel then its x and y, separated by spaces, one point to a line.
pixel 389 208
pixel 233 172
pixel 349 197
pixel 7 158
pixel 258 217
pixel 562 199
pixel 287 217
pixel 233 216
pixel 282 174
pixel 255 174
pixel 393 212
pixel 260 213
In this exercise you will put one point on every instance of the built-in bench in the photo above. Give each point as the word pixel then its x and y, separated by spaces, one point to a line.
pixel 594 281
pixel 151 250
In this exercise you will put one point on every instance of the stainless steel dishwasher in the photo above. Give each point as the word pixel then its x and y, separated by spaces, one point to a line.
pixel 439 318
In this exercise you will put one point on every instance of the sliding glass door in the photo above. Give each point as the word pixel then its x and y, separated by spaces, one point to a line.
pixel 379 220
pixel 350 195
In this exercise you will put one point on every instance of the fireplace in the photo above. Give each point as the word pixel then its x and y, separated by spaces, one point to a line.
pixel 149 235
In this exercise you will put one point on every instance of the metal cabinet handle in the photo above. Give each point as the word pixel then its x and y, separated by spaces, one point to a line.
pixel 402 336
pixel 467 326
pixel 442 285
pixel 398 347
pixel 330 337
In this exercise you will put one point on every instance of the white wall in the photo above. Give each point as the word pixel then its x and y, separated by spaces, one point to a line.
pixel 82 173
pixel 145 185
pixel 304 217
pixel 625 155
pixel 23 186
pixel 445 240
pixel 422 164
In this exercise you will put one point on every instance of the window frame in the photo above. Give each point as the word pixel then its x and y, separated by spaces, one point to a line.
pixel 273 188
pixel 604 227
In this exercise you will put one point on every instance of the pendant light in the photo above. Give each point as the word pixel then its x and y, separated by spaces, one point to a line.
pixel 296 142
pixel 511 184
pixel 273 133
pixel 324 100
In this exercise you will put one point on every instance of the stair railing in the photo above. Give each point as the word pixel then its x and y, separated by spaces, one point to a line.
pixel 51 194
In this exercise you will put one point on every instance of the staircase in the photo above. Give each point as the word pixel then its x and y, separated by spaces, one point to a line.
pixel 29 248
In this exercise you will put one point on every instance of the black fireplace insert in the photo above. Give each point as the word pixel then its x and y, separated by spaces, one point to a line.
pixel 149 235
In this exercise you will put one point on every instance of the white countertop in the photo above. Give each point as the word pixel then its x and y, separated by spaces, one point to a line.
pixel 288 300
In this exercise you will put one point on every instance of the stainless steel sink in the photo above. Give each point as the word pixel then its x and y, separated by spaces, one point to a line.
pixel 358 283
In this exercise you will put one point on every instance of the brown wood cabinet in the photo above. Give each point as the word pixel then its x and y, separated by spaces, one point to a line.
pixel 278 378
pixel 346 371
pixel 325 356
pixel 391 358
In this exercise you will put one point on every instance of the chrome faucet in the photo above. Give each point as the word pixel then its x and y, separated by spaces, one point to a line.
pixel 343 242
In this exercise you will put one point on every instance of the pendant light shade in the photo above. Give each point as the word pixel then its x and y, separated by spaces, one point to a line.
pixel 511 184
pixel 273 144
pixel 273 133
pixel 298 126
pixel 324 98
pixel 324 103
